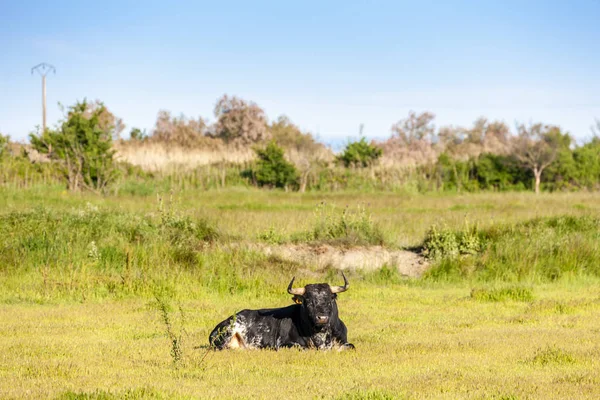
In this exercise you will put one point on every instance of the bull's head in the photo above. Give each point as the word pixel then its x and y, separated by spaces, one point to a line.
pixel 318 300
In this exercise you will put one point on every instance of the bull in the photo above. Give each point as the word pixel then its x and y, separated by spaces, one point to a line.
pixel 312 322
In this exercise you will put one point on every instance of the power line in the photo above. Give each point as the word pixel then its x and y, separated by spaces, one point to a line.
pixel 43 69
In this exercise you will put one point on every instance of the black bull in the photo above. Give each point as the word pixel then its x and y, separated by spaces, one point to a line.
pixel 311 323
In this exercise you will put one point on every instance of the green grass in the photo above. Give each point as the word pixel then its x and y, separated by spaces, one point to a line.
pixel 403 218
pixel 552 356
pixel 412 342
pixel 514 293
pixel 541 249
pixel 114 297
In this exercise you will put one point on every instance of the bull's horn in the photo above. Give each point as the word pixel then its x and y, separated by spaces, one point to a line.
pixel 295 291
pixel 340 289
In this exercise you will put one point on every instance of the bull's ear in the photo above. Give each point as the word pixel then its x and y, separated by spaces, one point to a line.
pixel 297 299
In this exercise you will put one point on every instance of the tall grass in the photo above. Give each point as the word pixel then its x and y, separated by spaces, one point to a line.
pixel 538 250
pixel 350 227
pixel 19 172
pixel 90 252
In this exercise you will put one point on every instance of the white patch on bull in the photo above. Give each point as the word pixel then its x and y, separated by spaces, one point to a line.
pixel 322 340
pixel 257 339
pixel 238 334
pixel 255 342
pixel 321 336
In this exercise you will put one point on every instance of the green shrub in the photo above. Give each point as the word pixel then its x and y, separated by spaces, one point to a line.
pixel 271 236
pixel 359 154
pixel 499 172
pixel 272 169
pixel 542 249
pixel 444 242
pixel 82 149
pixel 440 243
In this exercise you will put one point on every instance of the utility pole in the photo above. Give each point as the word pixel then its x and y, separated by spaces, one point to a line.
pixel 43 69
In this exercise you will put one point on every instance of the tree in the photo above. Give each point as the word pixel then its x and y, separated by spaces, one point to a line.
pixel 272 169
pixel 587 161
pixel 289 136
pixel 499 172
pixel 497 138
pixel 483 137
pixel 415 128
pixel 181 130
pixel 562 173
pixel 536 148
pixel 240 121
pixel 82 147
pixel 360 154
pixel 107 121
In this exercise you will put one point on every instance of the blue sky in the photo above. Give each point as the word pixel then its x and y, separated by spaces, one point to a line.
pixel 329 66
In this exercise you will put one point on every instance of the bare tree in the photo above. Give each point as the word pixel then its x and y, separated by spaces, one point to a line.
pixel 290 137
pixel 482 137
pixel 535 148
pixel 107 121
pixel 497 138
pixel 240 121
pixel 415 128
pixel 450 139
pixel 180 130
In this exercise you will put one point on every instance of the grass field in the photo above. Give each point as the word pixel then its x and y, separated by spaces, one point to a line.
pixel 94 291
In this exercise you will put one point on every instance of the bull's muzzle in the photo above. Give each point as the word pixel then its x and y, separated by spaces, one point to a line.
pixel 322 319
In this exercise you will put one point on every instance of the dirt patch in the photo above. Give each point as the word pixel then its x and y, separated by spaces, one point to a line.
pixel 408 263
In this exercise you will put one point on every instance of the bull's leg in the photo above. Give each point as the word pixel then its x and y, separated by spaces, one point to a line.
pixel 236 342
pixel 340 334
